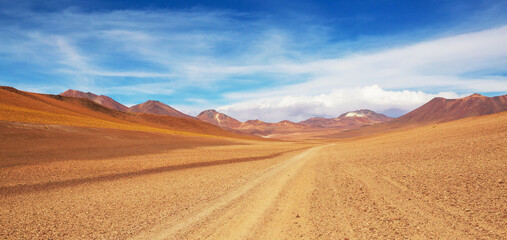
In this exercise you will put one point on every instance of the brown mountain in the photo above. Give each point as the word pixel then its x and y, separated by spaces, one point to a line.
pixel 443 110
pixel 438 110
pixel 156 107
pixel 255 122
pixel 26 107
pixel 367 114
pixel 289 125
pixel 258 124
pixel 319 122
pixel 265 129
pixel 347 120
pixel 218 119
pixel 102 100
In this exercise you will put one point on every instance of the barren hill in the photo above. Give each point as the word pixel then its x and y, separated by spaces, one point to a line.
pixel 156 107
pixel 348 120
pixel 366 114
pixel 443 110
pixel 218 119
pixel 25 107
pixel 102 100
pixel 438 110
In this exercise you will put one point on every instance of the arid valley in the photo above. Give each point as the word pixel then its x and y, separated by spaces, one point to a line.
pixel 253 119
pixel 71 169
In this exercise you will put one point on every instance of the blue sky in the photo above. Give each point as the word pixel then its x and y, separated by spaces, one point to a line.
pixel 270 60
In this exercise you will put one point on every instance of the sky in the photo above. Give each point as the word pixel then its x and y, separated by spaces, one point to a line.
pixel 267 60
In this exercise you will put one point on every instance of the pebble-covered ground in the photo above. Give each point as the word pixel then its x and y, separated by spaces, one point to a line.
pixel 443 181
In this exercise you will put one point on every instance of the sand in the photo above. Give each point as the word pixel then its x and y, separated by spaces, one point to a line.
pixel 439 181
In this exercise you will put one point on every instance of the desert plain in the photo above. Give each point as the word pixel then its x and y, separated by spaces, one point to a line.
pixel 67 172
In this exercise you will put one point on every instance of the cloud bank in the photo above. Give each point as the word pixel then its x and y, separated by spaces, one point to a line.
pixel 473 62
pixel 391 103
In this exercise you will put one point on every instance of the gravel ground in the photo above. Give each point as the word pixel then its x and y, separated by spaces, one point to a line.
pixel 440 181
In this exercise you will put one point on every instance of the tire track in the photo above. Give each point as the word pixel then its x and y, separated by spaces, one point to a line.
pixel 21 189
pixel 181 224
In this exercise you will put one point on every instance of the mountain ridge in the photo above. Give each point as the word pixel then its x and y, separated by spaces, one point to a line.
pixel 219 119
pixel 100 99
pixel 157 107
pixel 437 110
pixel 440 109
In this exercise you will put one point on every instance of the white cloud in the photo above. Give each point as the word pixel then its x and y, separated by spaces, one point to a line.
pixel 70 55
pixel 452 63
pixel 334 87
pixel 191 110
pixel 141 89
pixel 132 74
pixel 338 101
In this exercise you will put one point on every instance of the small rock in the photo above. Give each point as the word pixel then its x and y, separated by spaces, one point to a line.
pixel 297 216
pixel 500 181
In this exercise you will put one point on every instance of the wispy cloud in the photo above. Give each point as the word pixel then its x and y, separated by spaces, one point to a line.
pixel 452 64
pixel 446 63
pixel 141 89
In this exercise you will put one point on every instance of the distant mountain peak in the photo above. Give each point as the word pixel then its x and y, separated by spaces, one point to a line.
pixel 366 113
pixel 352 119
pixel 100 99
pixel 285 122
pixel 359 113
pixel 256 121
pixel 475 95
pixel 210 112
pixel 219 119
pixel 157 107
pixel 444 110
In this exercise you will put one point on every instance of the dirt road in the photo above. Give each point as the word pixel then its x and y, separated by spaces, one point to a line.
pixel 236 214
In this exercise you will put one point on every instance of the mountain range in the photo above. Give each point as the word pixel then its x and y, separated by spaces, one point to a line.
pixel 26 107
pixel 438 110
pixel 150 106
pixel 347 124
pixel 349 120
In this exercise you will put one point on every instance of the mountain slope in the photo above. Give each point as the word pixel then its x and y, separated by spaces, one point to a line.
pixel 443 110
pixel 156 107
pixel 368 114
pixel 438 110
pixel 153 107
pixel 319 122
pixel 218 119
pixel 102 100
pixel 25 107
pixel 292 130
pixel 347 120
